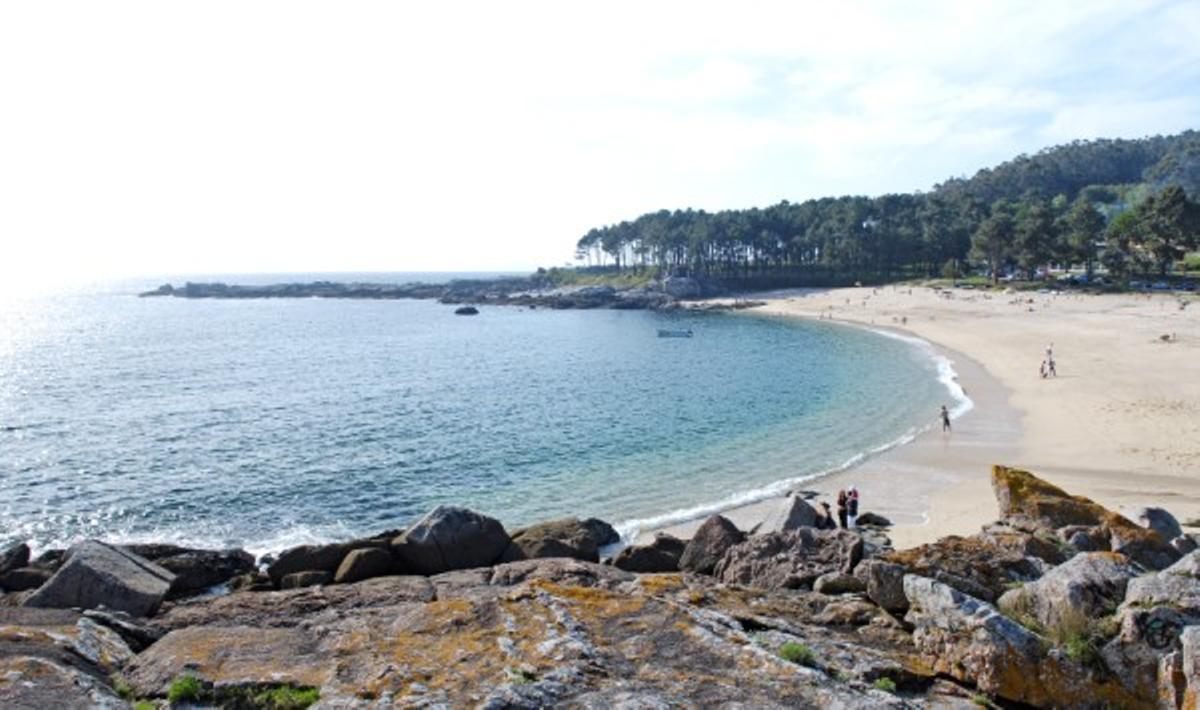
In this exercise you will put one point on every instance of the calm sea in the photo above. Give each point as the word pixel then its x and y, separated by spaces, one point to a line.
pixel 270 423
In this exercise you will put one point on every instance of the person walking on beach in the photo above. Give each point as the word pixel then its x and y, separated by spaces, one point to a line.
pixel 852 506
pixel 945 419
pixel 841 507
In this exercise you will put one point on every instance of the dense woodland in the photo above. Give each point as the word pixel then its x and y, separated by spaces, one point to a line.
pixel 1126 205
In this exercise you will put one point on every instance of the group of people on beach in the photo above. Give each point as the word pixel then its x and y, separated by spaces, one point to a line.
pixel 847 507
pixel 1048 369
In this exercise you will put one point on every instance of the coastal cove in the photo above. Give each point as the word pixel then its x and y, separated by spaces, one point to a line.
pixel 343 418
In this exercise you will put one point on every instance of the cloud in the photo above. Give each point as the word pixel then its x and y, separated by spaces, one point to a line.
pixel 150 137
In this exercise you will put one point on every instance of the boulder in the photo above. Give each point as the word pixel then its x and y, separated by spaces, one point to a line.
pixel 790 560
pixel 874 519
pixel 450 538
pixel 1184 544
pixel 970 641
pixel 972 565
pixel 662 555
pixel 568 537
pixel 885 584
pixel 1089 585
pixel 24 578
pixel 309 578
pixel 365 563
pixel 318 558
pixel 1021 494
pixel 833 583
pixel 1177 586
pixel 789 513
pixel 197 570
pixel 1085 538
pixel 14 557
pixel 709 544
pixel 95 574
pixel 1159 521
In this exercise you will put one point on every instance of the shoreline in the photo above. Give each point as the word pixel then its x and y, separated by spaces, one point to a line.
pixel 931 463
pixel 1120 424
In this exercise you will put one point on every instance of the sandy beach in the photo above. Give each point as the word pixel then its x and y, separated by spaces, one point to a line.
pixel 1119 424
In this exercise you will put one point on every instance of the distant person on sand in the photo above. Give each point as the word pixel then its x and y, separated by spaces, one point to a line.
pixel 852 506
pixel 841 506
pixel 945 419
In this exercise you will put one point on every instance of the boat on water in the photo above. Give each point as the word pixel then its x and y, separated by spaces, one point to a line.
pixel 665 333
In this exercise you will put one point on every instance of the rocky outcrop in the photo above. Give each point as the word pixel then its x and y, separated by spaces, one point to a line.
pixel 709 544
pixel 198 570
pixel 970 640
pixel 971 565
pixel 661 555
pixel 52 658
pixel 1020 494
pixel 1089 585
pixel 23 579
pixel 99 575
pixel 885 584
pixel 790 560
pixel 568 537
pixel 450 538
pixel 307 578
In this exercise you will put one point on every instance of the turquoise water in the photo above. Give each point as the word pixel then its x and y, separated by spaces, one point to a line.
pixel 269 423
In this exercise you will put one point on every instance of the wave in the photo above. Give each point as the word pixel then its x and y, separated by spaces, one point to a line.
pixel 946 375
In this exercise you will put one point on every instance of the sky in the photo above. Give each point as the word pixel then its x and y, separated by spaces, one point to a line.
pixel 158 138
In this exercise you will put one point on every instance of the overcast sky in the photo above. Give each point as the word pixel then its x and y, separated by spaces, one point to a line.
pixel 165 137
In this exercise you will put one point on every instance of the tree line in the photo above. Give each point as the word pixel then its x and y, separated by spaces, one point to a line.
pixel 1121 203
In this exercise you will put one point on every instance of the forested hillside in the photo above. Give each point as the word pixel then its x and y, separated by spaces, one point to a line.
pixel 1127 204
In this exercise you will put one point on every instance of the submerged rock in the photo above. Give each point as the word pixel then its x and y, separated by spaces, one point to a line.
pixel 96 574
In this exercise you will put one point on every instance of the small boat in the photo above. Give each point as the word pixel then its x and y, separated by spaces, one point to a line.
pixel 664 333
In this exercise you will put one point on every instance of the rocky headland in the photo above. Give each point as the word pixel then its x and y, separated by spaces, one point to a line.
pixel 534 291
pixel 1058 603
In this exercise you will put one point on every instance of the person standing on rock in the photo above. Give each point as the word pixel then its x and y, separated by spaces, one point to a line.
pixel 841 506
pixel 852 506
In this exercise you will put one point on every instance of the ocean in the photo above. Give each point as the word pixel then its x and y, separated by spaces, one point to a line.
pixel 270 423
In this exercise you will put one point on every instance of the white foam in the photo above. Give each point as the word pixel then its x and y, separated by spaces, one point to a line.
pixel 631 529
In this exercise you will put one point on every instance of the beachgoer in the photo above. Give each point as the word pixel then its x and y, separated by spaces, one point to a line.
pixel 945 419
pixel 1050 352
pixel 841 508
pixel 1050 368
pixel 1042 370
pixel 852 506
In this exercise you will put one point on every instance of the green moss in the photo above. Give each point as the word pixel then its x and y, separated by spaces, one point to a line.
pixel 271 697
pixel 121 687
pixel 144 705
pixel 887 685
pixel 286 697
pixel 797 653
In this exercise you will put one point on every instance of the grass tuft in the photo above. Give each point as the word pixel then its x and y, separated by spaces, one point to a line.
pixel 185 689
pixel 887 685
pixel 798 653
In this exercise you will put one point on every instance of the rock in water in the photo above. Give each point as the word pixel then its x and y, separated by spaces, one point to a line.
pixel 197 570
pixel 662 555
pixel 568 537
pixel 789 514
pixel 364 564
pixel 466 311
pixel 1088 586
pixel 24 578
pixel 710 543
pixel 1160 521
pixel 14 557
pixel 790 560
pixel 450 538
pixel 96 574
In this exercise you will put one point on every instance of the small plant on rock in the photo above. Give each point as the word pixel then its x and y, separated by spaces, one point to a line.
pixel 186 688
pixel 798 653
pixel 887 685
